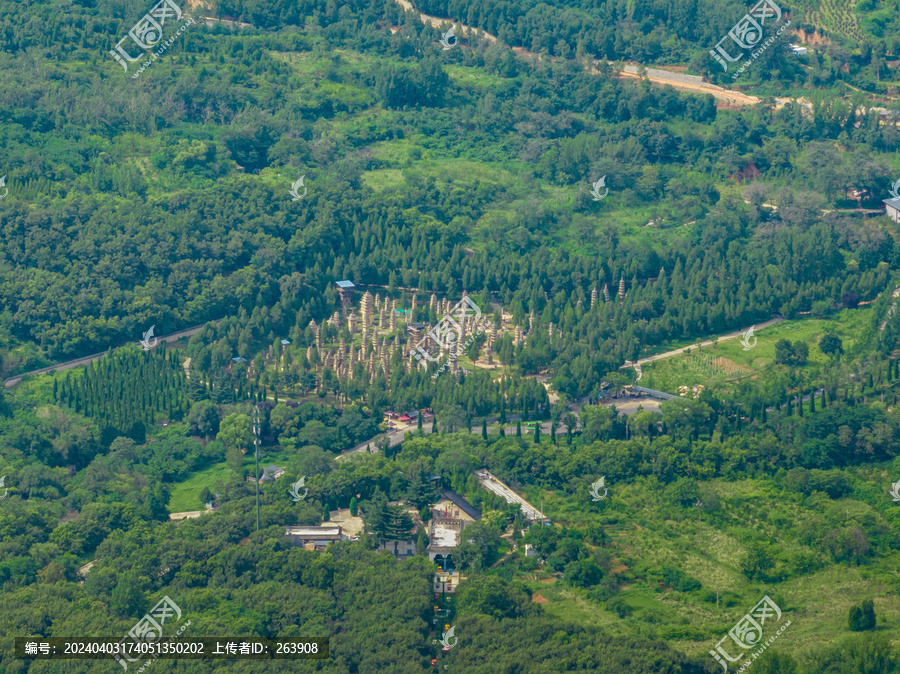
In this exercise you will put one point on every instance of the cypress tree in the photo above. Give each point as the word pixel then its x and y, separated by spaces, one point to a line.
pixel 502 432
pixel 812 402
pixel 537 434
pixel 434 428
pixel 518 429
pixel 553 433
pixel 484 429
pixel 800 405
pixel 420 422
pixel 868 614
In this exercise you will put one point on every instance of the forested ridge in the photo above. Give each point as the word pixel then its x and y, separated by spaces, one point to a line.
pixel 158 256
pixel 163 200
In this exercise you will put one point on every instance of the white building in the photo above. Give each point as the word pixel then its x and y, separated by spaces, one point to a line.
pixel 315 538
pixel 892 207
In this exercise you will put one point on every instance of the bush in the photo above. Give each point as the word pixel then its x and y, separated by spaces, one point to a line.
pixel 678 580
pixel 862 617
pixel 620 607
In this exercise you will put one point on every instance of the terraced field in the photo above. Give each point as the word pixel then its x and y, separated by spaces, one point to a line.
pixel 836 17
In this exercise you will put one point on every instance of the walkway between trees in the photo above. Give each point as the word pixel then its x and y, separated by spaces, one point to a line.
pixel 708 342
pixel 85 360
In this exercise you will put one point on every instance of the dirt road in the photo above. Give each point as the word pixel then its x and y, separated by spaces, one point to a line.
pixel 655 75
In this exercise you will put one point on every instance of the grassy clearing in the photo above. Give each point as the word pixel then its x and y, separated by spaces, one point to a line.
pixel 731 361
pixel 384 179
pixel 185 496
pixel 646 533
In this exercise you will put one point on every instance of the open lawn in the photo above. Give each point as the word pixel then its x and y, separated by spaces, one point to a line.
pixel 186 495
pixel 647 533
pixel 729 361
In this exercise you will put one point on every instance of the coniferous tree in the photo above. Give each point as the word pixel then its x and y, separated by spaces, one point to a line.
pixel 862 617
pixel 537 434
pixel 222 390
pixel 484 434
pixel 420 491
pixel 518 429
pixel 868 614
pixel 196 388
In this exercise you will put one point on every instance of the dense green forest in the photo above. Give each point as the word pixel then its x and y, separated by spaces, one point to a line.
pixel 163 199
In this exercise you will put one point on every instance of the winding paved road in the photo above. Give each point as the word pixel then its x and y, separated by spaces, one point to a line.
pixel 708 342
pixel 69 364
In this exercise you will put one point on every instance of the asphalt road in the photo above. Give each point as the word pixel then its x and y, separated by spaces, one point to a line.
pixel 85 360
pixel 708 342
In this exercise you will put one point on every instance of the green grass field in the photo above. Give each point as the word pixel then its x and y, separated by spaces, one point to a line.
pixel 185 495
pixel 647 533
pixel 691 369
